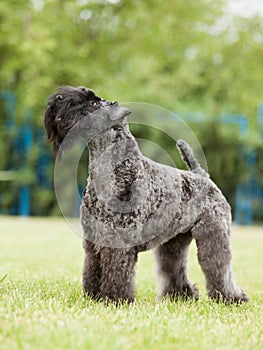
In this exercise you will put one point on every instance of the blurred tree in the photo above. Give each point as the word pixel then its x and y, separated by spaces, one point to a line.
pixel 152 51
pixel 182 55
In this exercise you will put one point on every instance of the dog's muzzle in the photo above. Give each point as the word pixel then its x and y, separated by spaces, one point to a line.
pixel 106 103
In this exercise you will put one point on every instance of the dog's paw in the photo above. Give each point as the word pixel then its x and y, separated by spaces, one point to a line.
pixel 235 298
pixel 109 300
pixel 184 293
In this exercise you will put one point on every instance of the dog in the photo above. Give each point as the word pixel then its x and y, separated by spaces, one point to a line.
pixel 132 204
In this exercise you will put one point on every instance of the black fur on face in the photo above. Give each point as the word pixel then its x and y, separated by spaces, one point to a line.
pixel 64 108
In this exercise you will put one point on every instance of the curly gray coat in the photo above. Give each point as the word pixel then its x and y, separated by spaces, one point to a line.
pixel 132 204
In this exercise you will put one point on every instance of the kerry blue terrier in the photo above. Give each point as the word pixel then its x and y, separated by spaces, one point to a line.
pixel 132 204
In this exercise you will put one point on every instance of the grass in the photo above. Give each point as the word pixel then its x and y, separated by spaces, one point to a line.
pixel 42 306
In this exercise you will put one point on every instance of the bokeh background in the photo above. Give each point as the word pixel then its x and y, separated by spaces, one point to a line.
pixel 200 59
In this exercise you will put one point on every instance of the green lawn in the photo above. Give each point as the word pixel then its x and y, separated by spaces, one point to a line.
pixel 42 307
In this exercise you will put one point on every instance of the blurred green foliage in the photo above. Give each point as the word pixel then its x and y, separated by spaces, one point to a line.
pixel 182 55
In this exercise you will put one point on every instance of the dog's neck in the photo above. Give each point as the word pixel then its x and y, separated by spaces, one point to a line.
pixel 118 137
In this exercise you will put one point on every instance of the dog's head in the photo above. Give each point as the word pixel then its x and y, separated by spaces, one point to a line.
pixel 71 106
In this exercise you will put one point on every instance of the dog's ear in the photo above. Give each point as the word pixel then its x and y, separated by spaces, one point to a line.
pixel 51 128
pixel 119 112
pixel 50 124
pixel 50 117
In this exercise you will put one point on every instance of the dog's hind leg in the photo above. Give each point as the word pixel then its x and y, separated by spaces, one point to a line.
pixel 91 270
pixel 213 238
pixel 118 270
pixel 171 260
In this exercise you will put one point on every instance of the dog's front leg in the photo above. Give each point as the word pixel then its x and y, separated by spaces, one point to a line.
pixel 117 274
pixel 91 270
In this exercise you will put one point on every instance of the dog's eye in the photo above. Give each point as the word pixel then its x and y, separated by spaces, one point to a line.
pixel 93 103
pixel 59 97
pixel 71 104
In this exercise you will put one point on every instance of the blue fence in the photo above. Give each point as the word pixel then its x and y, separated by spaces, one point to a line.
pixel 247 192
pixel 21 142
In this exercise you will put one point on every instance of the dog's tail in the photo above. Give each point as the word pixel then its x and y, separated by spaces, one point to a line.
pixel 189 158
